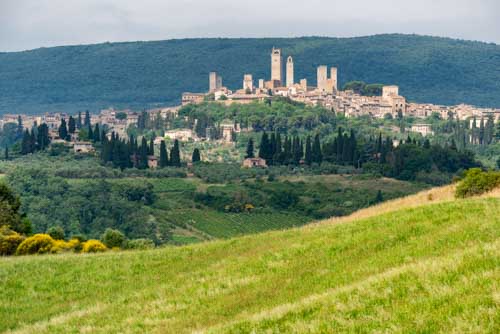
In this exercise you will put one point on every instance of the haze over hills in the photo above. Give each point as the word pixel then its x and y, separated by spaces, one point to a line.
pixel 145 74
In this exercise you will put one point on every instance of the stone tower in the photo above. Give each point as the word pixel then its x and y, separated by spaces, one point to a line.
pixel 333 77
pixel 289 72
pixel 276 65
pixel 248 82
pixel 215 82
pixel 322 77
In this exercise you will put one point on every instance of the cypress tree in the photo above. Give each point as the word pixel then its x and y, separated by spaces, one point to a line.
pixel 32 141
pixel 249 153
pixel 96 135
pixel 143 154
pixel 6 153
pixel 63 130
pixel 71 125
pixel 196 155
pixel 25 143
pixel 79 121
pixel 264 148
pixel 346 149
pixel 287 151
pixel 86 121
pixel 163 155
pixel 175 155
pixel 317 155
pixel 481 131
pixel 340 145
pixel 272 146
pixel 277 157
pixel 308 154
pixel 90 133
pixel 151 149
pixel 297 151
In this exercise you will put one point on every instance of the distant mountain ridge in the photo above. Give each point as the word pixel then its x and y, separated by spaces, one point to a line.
pixel 146 74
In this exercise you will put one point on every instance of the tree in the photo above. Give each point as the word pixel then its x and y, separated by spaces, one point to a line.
pixel 79 121
pixel 379 198
pixel 163 155
pixel 96 135
pixel 151 149
pixel 143 154
pixel 175 155
pixel 265 147
pixel 113 238
pixel 71 125
pixel 6 153
pixel 196 155
pixel 308 154
pixel 56 232
pixel 63 130
pixel 9 211
pixel 249 152
pixel 316 154
pixel 86 121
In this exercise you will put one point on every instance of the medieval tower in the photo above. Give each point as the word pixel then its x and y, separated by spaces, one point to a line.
pixel 276 65
pixel 289 72
pixel 322 77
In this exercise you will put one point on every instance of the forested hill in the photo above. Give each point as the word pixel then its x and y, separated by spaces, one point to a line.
pixel 145 74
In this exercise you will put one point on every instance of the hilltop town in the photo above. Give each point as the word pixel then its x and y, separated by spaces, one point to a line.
pixel 385 101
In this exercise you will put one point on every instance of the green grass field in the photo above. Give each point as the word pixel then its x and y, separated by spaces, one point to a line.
pixel 433 268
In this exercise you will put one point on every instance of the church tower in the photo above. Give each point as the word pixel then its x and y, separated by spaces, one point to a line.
pixel 276 65
pixel 289 72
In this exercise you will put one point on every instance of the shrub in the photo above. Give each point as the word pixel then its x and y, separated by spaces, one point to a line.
pixel 63 246
pixel 140 244
pixel 113 238
pixel 93 246
pixel 56 232
pixel 37 244
pixel 477 182
pixel 9 241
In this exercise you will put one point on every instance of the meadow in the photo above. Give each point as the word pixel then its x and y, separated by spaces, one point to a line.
pixel 426 263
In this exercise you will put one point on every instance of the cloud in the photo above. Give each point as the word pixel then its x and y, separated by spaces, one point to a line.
pixel 27 24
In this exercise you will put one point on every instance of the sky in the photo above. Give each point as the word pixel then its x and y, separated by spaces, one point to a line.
pixel 30 24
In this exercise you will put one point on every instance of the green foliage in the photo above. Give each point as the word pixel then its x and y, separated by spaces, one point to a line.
pixel 361 88
pixel 477 182
pixel 56 232
pixel 113 238
pixel 98 80
pixel 139 244
pixel 9 241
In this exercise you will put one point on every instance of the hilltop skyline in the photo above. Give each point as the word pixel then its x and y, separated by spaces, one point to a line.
pixel 28 24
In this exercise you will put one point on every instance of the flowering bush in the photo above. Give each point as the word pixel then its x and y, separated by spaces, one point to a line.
pixel 9 241
pixel 93 246
pixel 62 246
pixel 37 244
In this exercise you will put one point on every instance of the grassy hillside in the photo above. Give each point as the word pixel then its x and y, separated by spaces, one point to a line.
pixel 141 74
pixel 431 268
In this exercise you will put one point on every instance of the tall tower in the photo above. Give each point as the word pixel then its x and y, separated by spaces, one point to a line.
pixel 215 82
pixel 322 77
pixel 248 82
pixel 333 77
pixel 276 65
pixel 289 72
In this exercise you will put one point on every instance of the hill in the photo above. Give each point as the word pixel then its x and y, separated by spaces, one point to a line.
pixel 417 267
pixel 147 74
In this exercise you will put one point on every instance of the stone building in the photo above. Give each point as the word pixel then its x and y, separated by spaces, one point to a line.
pixel 248 82
pixel 215 82
pixel 289 72
pixel 276 66
pixel 254 162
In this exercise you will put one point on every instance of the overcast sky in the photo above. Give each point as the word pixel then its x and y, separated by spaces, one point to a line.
pixel 28 24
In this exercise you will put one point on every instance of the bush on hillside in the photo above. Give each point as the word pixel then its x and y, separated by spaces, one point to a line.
pixel 64 246
pixel 93 246
pixel 37 244
pixel 140 244
pixel 9 241
pixel 56 232
pixel 113 238
pixel 477 182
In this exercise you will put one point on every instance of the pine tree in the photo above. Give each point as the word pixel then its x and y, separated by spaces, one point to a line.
pixel 317 155
pixel 308 154
pixel 175 155
pixel 196 155
pixel 63 130
pixel 163 155
pixel 250 153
